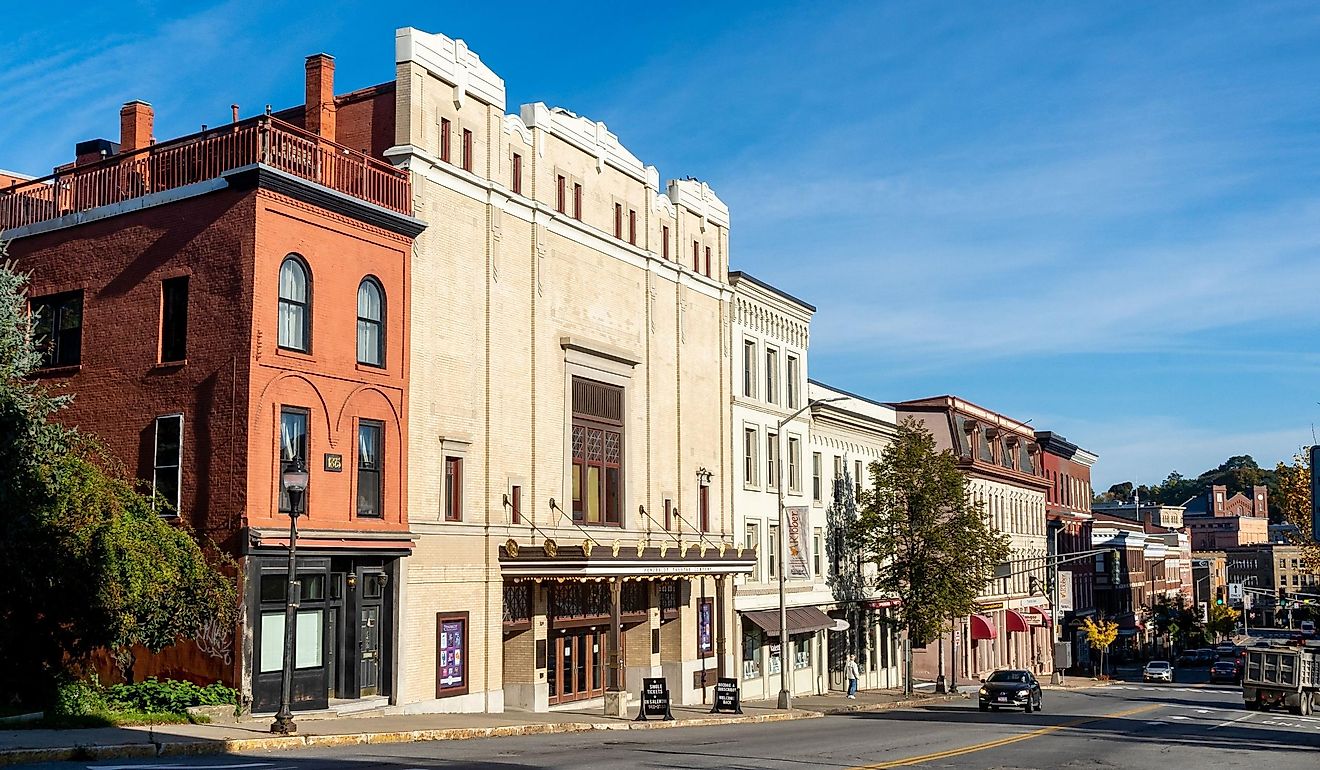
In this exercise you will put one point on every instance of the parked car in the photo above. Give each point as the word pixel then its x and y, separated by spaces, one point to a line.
pixel 1010 688
pixel 1158 671
pixel 1189 658
pixel 1307 627
pixel 1206 656
pixel 1226 671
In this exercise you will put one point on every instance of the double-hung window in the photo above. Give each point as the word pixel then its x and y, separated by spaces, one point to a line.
pixel 58 327
pixel 371 323
pixel 453 489
pixel 371 441
pixel 597 436
pixel 817 482
pixel 791 375
pixel 295 321
pixel 771 460
pixel 468 151
pixel 517 174
pixel 750 464
pixel 749 368
pixel 166 475
pixel 293 446
pixel 771 375
pixel 794 464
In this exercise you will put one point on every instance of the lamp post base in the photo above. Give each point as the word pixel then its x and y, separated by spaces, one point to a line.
pixel 785 699
pixel 940 687
pixel 283 725
pixel 1056 678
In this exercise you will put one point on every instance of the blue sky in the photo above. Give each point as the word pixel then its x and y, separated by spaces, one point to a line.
pixel 1104 218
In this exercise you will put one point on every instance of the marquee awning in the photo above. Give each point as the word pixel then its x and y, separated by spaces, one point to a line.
pixel 801 620
pixel 983 628
pixel 1014 622
pixel 550 561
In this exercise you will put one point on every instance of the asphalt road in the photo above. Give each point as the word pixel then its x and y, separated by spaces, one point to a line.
pixel 1127 725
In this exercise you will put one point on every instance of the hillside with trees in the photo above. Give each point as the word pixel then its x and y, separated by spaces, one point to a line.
pixel 1239 473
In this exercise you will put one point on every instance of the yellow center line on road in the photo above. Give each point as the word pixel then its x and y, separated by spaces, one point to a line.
pixel 1002 741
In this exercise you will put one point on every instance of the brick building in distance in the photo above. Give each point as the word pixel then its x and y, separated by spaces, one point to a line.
pixel 221 305
pixel 1068 513
pixel 1218 521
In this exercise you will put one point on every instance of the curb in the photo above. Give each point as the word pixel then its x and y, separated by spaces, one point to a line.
pixel 890 705
pixel 157 749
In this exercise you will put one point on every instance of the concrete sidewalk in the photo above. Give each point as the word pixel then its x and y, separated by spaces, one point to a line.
pixel 20 746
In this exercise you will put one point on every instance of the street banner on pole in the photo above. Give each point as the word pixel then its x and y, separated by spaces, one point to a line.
pixel 1065 591
pixel 798 547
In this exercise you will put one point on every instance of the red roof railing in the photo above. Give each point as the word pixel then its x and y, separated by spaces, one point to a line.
pixel 199 157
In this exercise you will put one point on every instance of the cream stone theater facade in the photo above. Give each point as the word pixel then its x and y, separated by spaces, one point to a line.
pixel 570 478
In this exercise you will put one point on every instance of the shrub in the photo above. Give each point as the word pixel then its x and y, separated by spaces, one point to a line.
pixel 170 695
pixel 78 699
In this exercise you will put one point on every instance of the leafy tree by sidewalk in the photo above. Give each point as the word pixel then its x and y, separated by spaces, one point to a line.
pixel 928 538
pixel 1223 621
pixel 1294 500
pixel 1100 635
pixel 88 563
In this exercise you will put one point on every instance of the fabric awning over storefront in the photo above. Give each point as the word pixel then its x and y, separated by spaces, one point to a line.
pixel 1014 622
pixel 1043 612
pixel 594 561
pixel 801 620
pixel 983 628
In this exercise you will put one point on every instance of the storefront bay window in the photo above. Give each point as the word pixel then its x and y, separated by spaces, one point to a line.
pixel 753 639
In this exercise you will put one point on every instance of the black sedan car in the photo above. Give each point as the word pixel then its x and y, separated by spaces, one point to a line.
pixel 1010 688
pixel 1226 671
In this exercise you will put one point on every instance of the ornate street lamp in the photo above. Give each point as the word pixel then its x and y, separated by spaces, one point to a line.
pixel 294 480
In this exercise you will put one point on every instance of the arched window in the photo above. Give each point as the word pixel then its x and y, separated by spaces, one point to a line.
pixel 295 330
pixel 371 323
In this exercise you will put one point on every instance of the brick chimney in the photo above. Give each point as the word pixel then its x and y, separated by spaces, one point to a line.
pixel 320 112
pixel 136 120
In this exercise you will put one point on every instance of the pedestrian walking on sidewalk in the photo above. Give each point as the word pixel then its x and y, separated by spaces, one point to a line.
pixel 852 673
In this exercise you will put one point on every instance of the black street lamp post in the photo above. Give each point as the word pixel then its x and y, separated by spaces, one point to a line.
pixel 294 479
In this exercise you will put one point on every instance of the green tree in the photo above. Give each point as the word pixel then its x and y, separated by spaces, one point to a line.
pixel 929 540
pixel 88 563
pixel 1223 621
pixel 1176 619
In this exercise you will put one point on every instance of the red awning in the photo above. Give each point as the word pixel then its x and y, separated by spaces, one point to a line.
pixel 983 628
pixel 1044 612
pixel 1014 622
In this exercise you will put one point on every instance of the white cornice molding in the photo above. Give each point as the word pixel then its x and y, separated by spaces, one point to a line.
pixel 452 62
pixel 697 197
pixel 591 137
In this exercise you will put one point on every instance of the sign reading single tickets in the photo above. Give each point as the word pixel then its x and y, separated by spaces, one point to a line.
pixel 655 700
pixel 798 548
pixel 727 700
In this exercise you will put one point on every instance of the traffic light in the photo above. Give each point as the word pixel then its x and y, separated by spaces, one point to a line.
pixel 1220 601
pixel 1113 567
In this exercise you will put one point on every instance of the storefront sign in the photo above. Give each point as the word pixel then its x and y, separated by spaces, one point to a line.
pixel 655 700
pixel 727 699
pixel 705 633
pixel 797 542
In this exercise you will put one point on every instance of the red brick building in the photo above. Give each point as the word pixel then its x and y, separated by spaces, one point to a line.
pixel 1068 510
pixel 219 305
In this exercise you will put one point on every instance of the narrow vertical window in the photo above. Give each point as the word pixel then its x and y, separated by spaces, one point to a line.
pixel 664 245
pixel 771 375
pixel 371 323
pixel 771 460
pixel 293 447
pixel 561 193
pixel 707 261
pixel 817 545
pixel 752 543
pixel 515 504
pixel 174 319
pixel 857 467
pixel 467 150
pixel 632 227
pixel 295 305
pixel 453 489
pixel 517 174
pixel 703 507
pixel 166 476
pixel 444 139
pixel 749 368
pixel 791 376
pixel 369 482
pixel 618 221
pixel 669 513
pixel 817 480
pixel 794 464
pixel 772 552
pixel 696 257
pixel 577 202
pixel 750 463
pixel 57 325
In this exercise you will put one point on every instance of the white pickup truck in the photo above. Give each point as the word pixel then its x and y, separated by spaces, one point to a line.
pixel 1282 674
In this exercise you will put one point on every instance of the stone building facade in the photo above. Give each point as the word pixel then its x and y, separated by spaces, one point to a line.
pixel 572 478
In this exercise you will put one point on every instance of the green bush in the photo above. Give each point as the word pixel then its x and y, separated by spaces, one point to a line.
pixel 172 696
pixel 78 699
